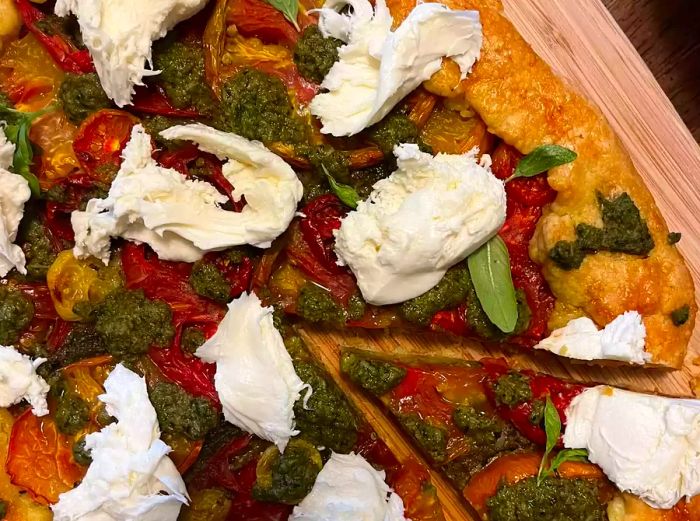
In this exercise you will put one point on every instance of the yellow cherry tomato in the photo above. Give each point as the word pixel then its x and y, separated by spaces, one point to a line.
pixel 72 281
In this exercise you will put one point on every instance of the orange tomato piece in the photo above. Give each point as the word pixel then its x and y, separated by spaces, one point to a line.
pixel 40 458
pixel 413 484
pixel 100 140
pixel 54 134
pixel 449 132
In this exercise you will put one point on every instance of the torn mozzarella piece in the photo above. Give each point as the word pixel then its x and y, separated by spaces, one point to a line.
pixel 180 218
pixel 377 68
pixel 348 488
pixel 427 216
pixel 19 381
pixel 647 445
pixel 119 36
pixel 255 377
pixel 131 477
pixel 621 340
pixel 14 193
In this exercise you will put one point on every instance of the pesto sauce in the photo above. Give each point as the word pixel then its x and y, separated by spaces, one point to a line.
pixel 72 412
pixel 512 389
pixel 81 95
pixel 317 305
pixel 287 478
pixel 207 281
pixel 681 315
pixel 430 438
pixel 328 419
pixel 16 313
pixel 321 157
pixel 623 231
pixel 375 376
pixel 537 413
pixel 181 413
pixel 192 339
pixel 182 75
pixel 82 342
pixel 130 324
pixel 256 106
pixel 395 129
pixel 673 238
pixel 487 440
pixel 450 292
pixel 554 499
pixel 314 55
pixel 364 180
pixel 81 455
pixel 154 125
pixel 37 246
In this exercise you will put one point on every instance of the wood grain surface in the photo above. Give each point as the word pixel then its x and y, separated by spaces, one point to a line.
pixel 582 42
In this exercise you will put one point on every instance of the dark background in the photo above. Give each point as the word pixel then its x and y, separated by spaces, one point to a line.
pixel 667 35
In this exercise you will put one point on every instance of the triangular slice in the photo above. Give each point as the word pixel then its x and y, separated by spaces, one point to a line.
pixel 486 426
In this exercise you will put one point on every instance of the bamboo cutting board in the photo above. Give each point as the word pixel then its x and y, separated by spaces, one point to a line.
pixel 582 42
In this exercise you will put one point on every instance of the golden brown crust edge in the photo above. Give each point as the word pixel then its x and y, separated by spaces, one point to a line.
pixel 523 102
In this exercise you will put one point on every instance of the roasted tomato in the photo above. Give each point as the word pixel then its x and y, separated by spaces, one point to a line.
pixel 40 458
pixel 100 141
pixel 72 281
pixel 76 190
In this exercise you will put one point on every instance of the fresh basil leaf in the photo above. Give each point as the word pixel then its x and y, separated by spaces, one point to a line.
pixel 489 267
pixel 17 132
pixel 347 194
pixel 542 159
pixel 567 455
pixel 552 429
pixel 289 8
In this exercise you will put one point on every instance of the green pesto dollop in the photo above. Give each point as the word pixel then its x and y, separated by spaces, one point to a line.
pixel 553 499
pixel 430 438
pixel 192 339
pixel 681 315
pixel 314 55
pixel 375 376
pixel 394 129
pixel 182 75
pixel 66 27
pixel 36 244
pixel 207 281
pixel 256 105
pixel 16 312
pixel 325 158
pixel 130 324
pixel 72 412
pixel 673 238
pixel 476 423
pixel 537 413
pixel 288 477
pixel 328 419
pixel 82 342
pixel 451 291
pixel 154 125
pixel 181 413
pixel 81 95
pixel 209 504
pixel 81 455
pixel 512 389
pixel 623 231
pixel 317 305
pixel 363 180
pixel 3 509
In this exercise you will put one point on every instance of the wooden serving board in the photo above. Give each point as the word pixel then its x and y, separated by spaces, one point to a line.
pixel 582 42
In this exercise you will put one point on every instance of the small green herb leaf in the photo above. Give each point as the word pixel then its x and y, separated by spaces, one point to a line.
pixel 345 193
pixel 17 126
pixel 489 267
pixel 567 455
pixel 542 159
pixel 289 8
pixel 552 429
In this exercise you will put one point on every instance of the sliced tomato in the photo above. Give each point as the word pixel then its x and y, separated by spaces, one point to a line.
pixel 152 99
pixel 40 458
pixel 62 50
pixel 100 141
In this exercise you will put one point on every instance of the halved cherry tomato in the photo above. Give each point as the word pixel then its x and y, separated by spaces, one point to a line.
pixel 76 189
pixel 321 218
pixel 63 51
pixel 40 458
pixel 152 99
pixel 100 141
pixel 72 281
pixel 513 468
pixel 46 327
pixel 261 20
